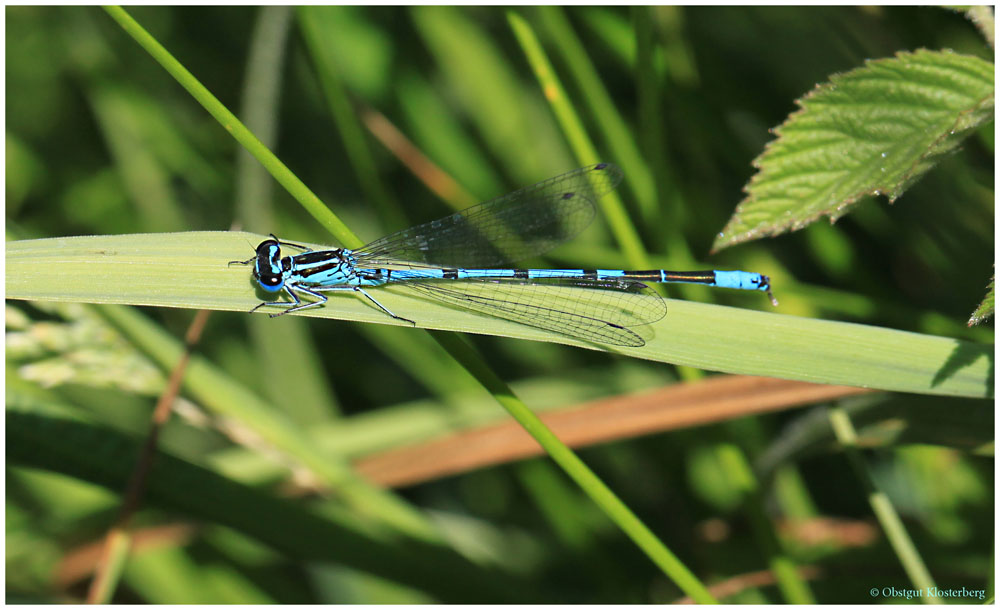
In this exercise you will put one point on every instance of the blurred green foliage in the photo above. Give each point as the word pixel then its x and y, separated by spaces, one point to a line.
pixel 100 140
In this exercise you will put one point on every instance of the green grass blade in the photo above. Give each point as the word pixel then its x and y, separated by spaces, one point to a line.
pixel 652 138
pixel 190 270
pixel 593 486
pixel 611 205
pixel 259 105
pixel 486 89
pixel 287 353
pixel 311 20
pixel 230 123
pixel 792 586
pixel 884 511
pixel 104 457
pixel 442 136
pixel 595 95
pixel 221 395
pixel 884 421
pixel 124 119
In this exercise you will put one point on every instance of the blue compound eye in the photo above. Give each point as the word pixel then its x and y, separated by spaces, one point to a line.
pixel 270 282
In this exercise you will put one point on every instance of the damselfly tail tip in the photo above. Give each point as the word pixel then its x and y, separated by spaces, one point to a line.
pixel 765 285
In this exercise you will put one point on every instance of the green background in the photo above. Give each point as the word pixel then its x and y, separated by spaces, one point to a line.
pixel 100 140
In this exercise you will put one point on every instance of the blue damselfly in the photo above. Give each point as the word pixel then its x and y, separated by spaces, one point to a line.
pixel 463 260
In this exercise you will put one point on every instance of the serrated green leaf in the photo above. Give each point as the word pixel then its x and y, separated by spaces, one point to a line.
pixel 190 270
pixel 871 131
pixel 985 309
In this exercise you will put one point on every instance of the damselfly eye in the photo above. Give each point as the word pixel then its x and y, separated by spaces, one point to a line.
pixel 271 283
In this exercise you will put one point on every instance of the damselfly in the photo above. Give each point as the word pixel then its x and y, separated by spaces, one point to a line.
pixel 460 260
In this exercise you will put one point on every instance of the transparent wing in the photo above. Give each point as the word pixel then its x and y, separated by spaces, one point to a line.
pixel 599 311
pixel 519 225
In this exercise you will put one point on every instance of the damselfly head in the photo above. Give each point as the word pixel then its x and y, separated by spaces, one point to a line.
pixel 267 269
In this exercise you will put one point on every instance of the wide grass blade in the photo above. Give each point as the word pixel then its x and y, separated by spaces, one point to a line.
pixel 190 270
